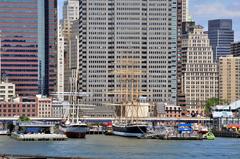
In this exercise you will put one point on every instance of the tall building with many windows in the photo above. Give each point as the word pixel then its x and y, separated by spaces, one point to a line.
pixel 229 78
pixel 200 73
pixel 221 36
pixel 235 49
pixel 111 30
pixel 60 62
pixel 70 14
pixel 28 45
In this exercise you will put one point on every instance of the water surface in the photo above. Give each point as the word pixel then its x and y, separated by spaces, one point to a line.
pixel 113 147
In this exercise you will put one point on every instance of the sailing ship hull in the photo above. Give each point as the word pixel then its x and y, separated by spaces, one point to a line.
pixel 76 131
pixel 129 130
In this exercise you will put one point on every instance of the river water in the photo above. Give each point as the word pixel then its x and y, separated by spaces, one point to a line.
pixel 113 147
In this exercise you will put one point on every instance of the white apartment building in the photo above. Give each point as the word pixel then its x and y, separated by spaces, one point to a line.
pixel 110 30
pixel 7 91
pixel 200 72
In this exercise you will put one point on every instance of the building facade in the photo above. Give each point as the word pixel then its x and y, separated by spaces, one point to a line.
pixel 28 45
pixel 70 14
pixel 17 107
pixel 60 63
pixel 229 78
pixel 7 91
pixel 200 73
pixel 221 36
pixel 113 30
pixel 44 106
pixel 235 49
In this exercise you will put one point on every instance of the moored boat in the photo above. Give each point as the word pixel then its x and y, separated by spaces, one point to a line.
pixel 74 130
pixel 129 130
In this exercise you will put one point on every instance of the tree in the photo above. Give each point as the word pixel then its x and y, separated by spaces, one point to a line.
pixel 24 119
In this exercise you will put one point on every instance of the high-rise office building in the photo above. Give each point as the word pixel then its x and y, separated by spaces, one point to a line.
pixel 229 78
pixel 200 73
pixel 185 11
pixel 60 62
pixel 70 14
pixel 221 36
pixel 28 45
pixel 235 49
pixel 113 30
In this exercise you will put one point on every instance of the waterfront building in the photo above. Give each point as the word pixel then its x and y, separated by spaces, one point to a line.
pixel 70 14
pixel 173 111
pixel 227 111
pixel 235 49
pixel 60 109
pixel 44 106
pixel 221 36
pixel 60 63
pixel 7 91
pixel 229 78
pixel 18 107
pixel 28 45
pixel 113 30
pixel 200 73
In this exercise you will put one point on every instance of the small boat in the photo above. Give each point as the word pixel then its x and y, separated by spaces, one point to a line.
pixel 209 136
pixel 4 132
pixel 74 130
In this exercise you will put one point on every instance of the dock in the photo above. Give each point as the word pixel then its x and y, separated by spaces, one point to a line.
pixel 39 137
pixel 225 133
pixel 183 138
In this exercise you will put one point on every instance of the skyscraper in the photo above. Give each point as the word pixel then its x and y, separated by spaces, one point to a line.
pixel 185 11
pixel 28 45
pixel 229 79
pixel 200 73
pixel 60 61
pixel 144 30
pixel 221 36
pixel 70 14
pixel 235 49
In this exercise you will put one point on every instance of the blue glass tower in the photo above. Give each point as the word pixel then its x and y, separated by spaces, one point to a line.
pixel 221 36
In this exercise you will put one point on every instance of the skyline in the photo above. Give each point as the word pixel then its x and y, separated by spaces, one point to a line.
pixel 202 10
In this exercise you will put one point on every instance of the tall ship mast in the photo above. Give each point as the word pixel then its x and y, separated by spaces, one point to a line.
pixel 71 126
pixel 130 99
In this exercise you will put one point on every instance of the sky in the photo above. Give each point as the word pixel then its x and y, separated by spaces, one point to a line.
pixel 204 10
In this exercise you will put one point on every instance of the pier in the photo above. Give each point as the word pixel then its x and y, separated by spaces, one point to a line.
pixel 38 137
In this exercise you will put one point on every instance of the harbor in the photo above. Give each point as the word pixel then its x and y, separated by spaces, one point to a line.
pixel 109 147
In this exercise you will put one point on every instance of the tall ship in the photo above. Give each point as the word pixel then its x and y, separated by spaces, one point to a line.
pixel 73 129
pixel 71 125
pixel 132 102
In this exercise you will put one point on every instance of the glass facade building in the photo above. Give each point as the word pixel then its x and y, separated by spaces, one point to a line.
pixel 221 36
pixel 28 44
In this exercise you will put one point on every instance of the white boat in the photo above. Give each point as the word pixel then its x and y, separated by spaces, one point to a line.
pixel 4 132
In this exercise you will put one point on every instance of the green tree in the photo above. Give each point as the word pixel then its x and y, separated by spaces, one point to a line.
pixel 24 119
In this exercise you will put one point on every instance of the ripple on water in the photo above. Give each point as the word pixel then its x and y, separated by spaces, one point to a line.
pixel 108 147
